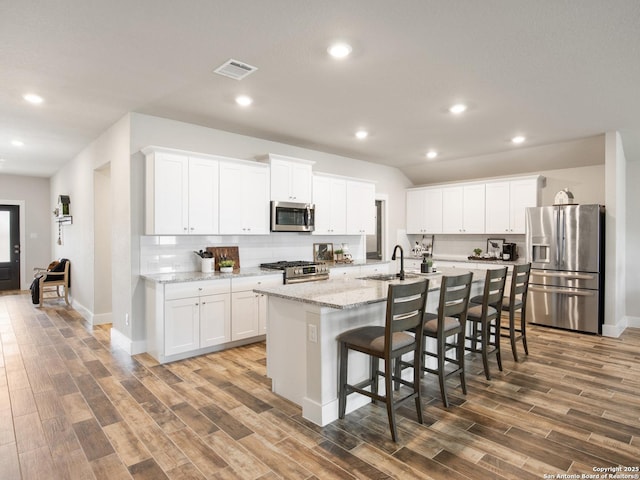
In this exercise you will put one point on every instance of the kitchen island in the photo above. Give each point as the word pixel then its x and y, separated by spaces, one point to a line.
pixel 303 321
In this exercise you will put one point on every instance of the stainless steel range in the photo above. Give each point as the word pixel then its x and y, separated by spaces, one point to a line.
pixel 300 271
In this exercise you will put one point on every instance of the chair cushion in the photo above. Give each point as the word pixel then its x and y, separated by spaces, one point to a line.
pixel 372 338
pixel 506 306
pixel 431 324
pixel 475 312
pixel 476 299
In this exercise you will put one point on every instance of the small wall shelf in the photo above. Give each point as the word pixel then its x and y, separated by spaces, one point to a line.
pixel 64 219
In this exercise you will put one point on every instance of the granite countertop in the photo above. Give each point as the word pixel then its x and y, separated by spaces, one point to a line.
pixel 464 259
pixel 357 263
pixel 354 292
pixel 178 277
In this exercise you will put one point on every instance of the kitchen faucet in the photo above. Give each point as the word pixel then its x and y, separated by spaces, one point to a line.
pixel 393 257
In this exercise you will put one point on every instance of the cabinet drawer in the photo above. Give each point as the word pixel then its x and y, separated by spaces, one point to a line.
pixel 195 289
pixel 243 284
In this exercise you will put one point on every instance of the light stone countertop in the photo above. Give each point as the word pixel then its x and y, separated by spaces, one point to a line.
pixel 178 277
pixel 354 292
pixel 464 259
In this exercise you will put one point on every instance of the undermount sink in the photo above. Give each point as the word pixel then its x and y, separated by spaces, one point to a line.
pixel 386 277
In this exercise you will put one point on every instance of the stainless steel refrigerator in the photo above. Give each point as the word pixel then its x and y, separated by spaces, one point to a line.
pixel 565 245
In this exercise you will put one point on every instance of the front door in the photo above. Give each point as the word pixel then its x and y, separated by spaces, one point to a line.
pixel 9 247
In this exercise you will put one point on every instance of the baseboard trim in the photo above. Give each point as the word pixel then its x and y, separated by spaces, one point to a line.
pixel 102 318
pixel 633 322
pixel 616 330
pixel 120 340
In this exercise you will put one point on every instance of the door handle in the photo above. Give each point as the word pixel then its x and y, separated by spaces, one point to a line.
pixel 572 293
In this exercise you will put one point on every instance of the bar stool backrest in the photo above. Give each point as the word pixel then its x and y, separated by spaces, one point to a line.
pixel 405 309
pixel 494 283
pixel 519 284
pixel 454 298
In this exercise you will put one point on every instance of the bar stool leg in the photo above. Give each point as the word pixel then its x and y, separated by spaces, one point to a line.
pixel 342 394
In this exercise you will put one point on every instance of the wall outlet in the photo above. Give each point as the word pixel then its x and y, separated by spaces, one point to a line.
pixel 126 319
pixel 313 334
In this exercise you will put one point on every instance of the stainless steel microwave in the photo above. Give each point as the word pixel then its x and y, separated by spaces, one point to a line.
pixel 292 217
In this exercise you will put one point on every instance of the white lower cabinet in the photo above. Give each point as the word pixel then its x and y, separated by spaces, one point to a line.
pixel 249 309
pixel 191 318
pixel 196 315
pixel 213 309
pixel 181 325
pixel 197 322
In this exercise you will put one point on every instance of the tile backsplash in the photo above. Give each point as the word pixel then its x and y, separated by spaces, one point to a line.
pixel 164 254
pixel 463 245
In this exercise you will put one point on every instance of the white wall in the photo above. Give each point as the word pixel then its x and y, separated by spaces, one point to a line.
pixel 102 245
pixel 38 216
pixel 616 264
pixel 76 179
pixel 633 242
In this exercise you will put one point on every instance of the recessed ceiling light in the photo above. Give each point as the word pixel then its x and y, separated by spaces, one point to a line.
pixel 33 98
pixel 362 134
pixel 458 108
pixel 17 143
pixel 244 100
pixel 339 50
pixel 518 139
pixel 432 154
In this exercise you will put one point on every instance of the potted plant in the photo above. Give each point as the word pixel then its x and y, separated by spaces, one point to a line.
pixel 477 252
pixel 226 266
pixel 339 253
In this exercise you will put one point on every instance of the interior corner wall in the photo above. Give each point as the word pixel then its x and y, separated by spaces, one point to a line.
pixel 76 179
pixel 615 320
pixel 632 304
pixel 38 216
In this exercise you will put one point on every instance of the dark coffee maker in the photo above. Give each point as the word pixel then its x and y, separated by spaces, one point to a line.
pixel 509 251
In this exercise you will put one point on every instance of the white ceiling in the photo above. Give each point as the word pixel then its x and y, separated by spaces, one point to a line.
pixel 552 71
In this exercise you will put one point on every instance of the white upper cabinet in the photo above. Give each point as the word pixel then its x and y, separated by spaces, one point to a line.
pixel 330 199
pixel 463 209
pixel 424 211
pixel 361 204
pixel 244 199
pixel 181 194
pixel 203 196
pixel 491 207
pixel 506 204
pixel 291 178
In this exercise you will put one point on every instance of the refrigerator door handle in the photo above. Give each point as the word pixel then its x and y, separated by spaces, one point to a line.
pixel 557 232
pixel 568 276
pixel 564 236
pixel 562 291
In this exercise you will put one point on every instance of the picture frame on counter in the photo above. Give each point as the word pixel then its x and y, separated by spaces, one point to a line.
pixel 323 252
pixel 494 247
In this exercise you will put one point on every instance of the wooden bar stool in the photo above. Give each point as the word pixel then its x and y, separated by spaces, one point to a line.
pixel 484 318
pixel 517 302
pixel 405 310
pixel 450 321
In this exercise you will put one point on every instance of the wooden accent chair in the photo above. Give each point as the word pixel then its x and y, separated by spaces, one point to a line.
pixel 54 276
pixel 405 311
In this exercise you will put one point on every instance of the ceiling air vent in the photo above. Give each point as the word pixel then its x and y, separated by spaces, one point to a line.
pixel 235 69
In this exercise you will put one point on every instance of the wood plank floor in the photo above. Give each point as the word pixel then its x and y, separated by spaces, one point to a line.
pixel 72 406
